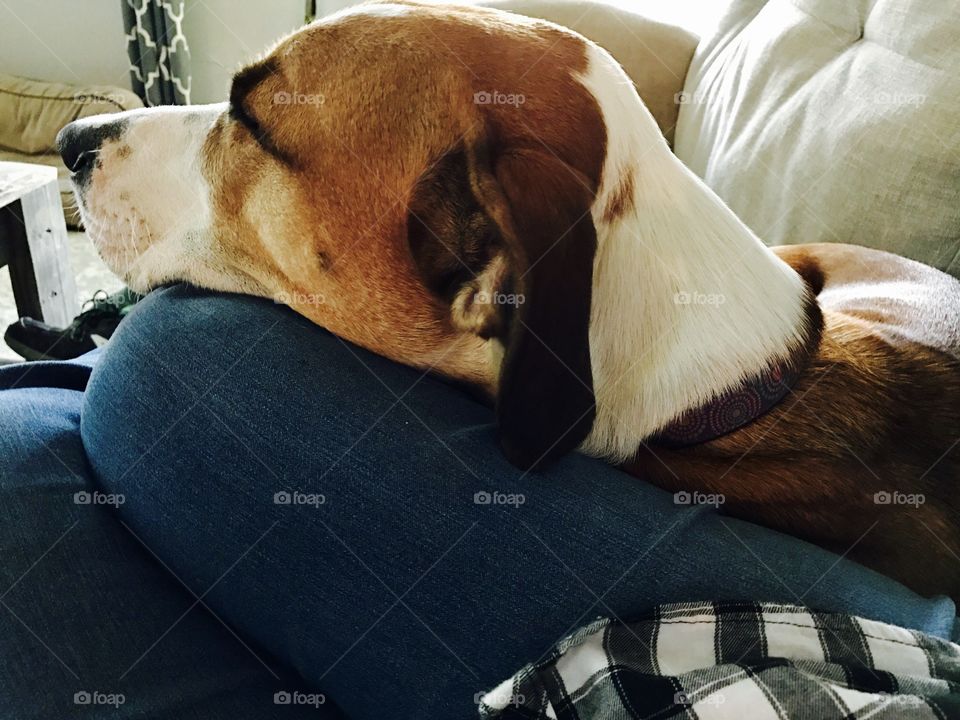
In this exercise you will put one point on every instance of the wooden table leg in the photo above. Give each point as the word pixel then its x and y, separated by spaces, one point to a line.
pixel 35 236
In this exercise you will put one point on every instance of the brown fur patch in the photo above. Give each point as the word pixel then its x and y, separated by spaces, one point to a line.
pixel 621 201
pixel 331 187
pixel 805 263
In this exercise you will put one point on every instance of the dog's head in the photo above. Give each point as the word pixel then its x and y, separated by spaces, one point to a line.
pixel 425 181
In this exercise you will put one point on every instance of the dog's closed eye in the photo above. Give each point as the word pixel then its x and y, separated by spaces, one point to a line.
pixel 243 108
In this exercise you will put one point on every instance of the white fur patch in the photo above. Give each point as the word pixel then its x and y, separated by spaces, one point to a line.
pixel 148 206
pixel 687 301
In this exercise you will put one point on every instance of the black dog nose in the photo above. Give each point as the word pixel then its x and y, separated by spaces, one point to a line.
pixel 78 142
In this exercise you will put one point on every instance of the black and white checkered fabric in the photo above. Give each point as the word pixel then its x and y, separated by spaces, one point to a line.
pixel 736 661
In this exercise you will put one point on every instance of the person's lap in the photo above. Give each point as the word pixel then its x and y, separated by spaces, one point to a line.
pixel 404 588
pixel 92 624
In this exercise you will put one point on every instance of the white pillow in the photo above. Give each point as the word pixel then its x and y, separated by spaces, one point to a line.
pixel 833 121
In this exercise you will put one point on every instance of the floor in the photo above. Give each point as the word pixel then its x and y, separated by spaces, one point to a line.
pixel 91 274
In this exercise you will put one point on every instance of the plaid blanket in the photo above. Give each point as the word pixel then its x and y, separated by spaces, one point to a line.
pixel 736 661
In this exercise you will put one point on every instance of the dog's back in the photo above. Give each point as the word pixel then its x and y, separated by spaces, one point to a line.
pixel 862 456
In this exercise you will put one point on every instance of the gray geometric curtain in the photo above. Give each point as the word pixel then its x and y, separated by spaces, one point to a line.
pixel 158 52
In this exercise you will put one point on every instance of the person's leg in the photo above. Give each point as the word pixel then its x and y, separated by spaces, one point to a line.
pixel 91 624
pixel 357 519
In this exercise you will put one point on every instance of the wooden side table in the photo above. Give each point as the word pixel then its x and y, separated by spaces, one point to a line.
pixel 33 243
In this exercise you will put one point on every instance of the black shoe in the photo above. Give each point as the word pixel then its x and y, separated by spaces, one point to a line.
pixel 35 340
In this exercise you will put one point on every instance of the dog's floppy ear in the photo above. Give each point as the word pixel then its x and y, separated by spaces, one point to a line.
pixel 509 242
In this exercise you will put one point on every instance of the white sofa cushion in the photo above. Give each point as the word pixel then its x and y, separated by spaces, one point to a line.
pixel 833 120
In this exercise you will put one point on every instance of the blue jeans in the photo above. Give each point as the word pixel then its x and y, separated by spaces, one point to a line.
pixel 300 515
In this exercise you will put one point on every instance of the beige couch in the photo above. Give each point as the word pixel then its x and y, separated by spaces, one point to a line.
pixel 832 121
pixel 32 112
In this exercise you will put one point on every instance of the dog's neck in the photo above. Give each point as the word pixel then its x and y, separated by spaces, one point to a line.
pixel 687 302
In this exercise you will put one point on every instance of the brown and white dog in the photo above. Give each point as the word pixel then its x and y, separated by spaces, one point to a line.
pixel 394 169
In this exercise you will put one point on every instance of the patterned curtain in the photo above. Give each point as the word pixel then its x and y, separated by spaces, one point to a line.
pixel 157 47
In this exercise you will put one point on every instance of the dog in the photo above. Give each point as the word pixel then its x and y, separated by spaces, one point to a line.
pixel 485 196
